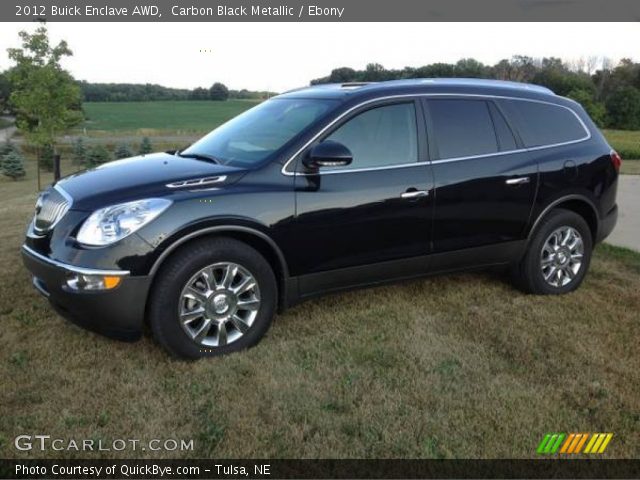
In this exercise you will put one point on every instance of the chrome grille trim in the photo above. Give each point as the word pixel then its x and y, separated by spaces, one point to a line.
pixel 50 211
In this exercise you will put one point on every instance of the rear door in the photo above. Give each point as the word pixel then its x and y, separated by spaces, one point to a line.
pixel 485 180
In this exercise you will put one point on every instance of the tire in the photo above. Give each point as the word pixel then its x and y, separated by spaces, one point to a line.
pixel 546 255
pixel 193 310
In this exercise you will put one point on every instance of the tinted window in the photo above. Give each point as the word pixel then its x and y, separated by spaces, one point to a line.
pixel 380 136
pixel 543 123
pixel 253 135
pixel 506 141
pixel 462 128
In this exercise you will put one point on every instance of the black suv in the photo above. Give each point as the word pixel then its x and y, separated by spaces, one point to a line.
pixel 321 189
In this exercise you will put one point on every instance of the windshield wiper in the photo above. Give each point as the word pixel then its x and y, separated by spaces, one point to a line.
pixel 199 156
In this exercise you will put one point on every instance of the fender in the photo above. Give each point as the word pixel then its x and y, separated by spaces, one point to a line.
pixel 558 201
pixel 217 229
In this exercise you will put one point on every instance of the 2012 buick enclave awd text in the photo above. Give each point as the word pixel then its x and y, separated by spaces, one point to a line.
pixel 321 189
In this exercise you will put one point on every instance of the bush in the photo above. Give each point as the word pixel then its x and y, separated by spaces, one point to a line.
pixel 122 151
pixel 46 157
pixel 97 155
pixel 145 146
pixel 13 165
pixel 624 109
pixel 78 152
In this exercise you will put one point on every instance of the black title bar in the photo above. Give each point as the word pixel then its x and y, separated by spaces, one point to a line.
pixel 320 10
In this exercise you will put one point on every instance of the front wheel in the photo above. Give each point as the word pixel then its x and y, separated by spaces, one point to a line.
pixel 213 296
pixel 558 256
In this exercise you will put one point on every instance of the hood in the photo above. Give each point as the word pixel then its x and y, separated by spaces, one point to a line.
pixel 140 177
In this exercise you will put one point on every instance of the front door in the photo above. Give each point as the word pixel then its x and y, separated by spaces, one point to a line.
pixel 363 219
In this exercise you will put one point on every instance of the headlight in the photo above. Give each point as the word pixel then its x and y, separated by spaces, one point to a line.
pixel 110 224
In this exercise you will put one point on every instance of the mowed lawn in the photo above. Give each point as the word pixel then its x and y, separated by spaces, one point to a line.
pixel 625 142
pixel 154 118
pixel 455 366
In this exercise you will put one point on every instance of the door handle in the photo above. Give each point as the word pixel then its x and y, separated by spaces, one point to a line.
pixel 517 181
pixel 415 194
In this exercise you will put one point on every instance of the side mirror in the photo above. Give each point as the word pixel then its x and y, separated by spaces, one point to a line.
pixel 328 154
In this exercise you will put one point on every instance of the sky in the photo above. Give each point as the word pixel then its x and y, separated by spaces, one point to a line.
pixel 281 56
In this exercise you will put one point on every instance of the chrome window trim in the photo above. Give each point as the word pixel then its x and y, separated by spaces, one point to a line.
pixel 284 170
pixel 72 268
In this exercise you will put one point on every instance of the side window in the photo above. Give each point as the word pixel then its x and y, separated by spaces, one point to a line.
pixel 506 141
pixel 543 123
pixel 381 136
pixel 462 128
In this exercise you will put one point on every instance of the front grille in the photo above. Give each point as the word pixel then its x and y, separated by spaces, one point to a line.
pixel 50 208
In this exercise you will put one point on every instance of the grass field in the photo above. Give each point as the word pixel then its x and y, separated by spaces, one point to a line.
pixel 160 118
pixel 625 142
pixel 630 167
pixel 457 366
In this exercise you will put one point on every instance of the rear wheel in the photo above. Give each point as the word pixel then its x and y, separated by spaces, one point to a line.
pixel 214 296
pixel 558 256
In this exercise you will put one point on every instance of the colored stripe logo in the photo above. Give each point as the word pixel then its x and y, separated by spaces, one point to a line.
pixel 574 443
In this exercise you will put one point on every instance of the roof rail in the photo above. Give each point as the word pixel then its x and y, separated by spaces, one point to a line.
pixel 355 84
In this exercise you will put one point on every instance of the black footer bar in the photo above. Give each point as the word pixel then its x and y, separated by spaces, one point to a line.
pixel 307 469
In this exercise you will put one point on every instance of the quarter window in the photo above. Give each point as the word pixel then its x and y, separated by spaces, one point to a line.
pixel 462 128
pixel 543 123
pixel 380 136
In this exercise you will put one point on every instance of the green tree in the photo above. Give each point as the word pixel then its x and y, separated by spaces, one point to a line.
pixel 199 94
pixel 471 68
pixel 145 146
pixel 595 109
pixel 5 92
pixel 78 151
pixel 219 92
pixel 46 154
pixel 97 155
pixel 122 151
pixel 13 165
pixel 7 147
pixel 623 107
pixel 44 96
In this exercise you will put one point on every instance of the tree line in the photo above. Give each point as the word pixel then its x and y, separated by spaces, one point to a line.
pixel 610 93
pixel 132 92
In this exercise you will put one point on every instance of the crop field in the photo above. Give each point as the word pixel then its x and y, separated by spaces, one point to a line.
pixel 160 118
pixel 457 366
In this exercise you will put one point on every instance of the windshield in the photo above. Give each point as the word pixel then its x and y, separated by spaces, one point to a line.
pixel 253 135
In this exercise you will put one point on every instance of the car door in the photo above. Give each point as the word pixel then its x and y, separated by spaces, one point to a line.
pixel 357 223
pixel 485 181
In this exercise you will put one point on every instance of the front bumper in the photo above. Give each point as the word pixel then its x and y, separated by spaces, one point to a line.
pixel 117 313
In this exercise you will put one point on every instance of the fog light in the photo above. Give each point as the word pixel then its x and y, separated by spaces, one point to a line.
pixel 78 281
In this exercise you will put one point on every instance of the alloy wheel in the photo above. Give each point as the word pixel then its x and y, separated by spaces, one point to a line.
pixel 561 256
pixel 219 304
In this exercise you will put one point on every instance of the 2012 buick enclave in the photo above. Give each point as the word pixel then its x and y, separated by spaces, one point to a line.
pixel 321 189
